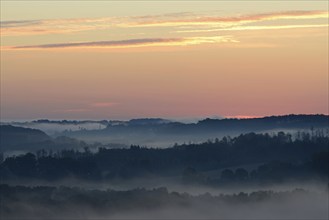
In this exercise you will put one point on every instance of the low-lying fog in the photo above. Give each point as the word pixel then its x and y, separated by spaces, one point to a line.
pixel 290 204
pixel 298 207
pixel 156 140
pixel 94 132
pixel 174 184
pixel 56 128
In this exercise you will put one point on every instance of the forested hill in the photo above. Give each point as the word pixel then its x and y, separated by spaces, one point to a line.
pixel 265 123
pixel 272 122
pixel 11 136
pixel 127 163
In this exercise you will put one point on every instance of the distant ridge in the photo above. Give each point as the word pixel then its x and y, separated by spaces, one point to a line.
pixel 158 132
pixel 158 120
pixel 12 135
pixel 154 131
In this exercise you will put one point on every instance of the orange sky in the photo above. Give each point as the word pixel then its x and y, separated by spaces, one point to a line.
pixel 177 61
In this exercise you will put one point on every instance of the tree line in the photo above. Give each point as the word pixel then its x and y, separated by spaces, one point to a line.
pixel 278 154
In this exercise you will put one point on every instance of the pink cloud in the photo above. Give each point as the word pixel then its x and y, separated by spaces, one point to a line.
pixel 74 110
pixel 243 116
pixel 103 104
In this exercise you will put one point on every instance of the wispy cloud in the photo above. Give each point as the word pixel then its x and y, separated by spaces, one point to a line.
pixel 119 43
pixel 55 26
pixel 73 110
pixel 233 20
pixel 21 23
pixel 60 26
pixel 178 31
pixel 131 43
pixel 258 27
pixel 165 16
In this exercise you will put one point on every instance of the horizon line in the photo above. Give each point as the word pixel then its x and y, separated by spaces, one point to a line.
pixel 178 119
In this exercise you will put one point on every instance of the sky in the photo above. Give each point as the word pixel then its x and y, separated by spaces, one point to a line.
pixel 169 59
